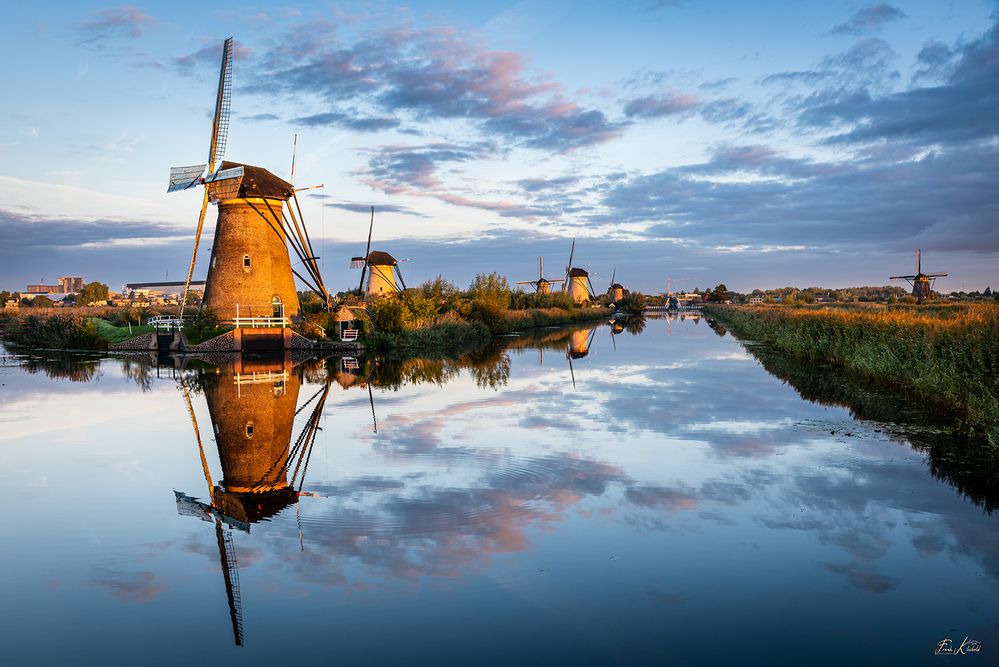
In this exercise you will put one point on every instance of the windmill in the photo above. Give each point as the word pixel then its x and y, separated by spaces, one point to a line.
pixel 542 285
pixel 253 416
pixel 577 281
pixel 250 266
pixel 922 283
pixel 381 268
pixel 616 290
pixel 578 347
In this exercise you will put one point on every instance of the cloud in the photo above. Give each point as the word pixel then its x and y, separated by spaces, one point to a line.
pixel 433 74
pixel 941 197
pixel 869 19
pixel 961 109
pixel 22 232
pixel 120 21
pixel 354 122
pixel 398 168
pixel 357 207
pixel 657 106
pixel 542 184
pixel 208 58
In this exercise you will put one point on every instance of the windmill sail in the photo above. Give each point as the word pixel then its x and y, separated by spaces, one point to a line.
pixel 185 178
pixel 223 102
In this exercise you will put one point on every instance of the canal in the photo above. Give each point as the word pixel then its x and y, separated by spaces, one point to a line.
pixel 648 493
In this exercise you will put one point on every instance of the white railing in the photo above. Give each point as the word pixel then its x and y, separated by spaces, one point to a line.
pixel 349 335
pixel 260 377
pixel 260 322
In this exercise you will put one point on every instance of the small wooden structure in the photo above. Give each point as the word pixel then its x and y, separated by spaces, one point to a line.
pixel 348 321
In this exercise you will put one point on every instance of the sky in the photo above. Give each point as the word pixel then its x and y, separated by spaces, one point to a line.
pixel 753 144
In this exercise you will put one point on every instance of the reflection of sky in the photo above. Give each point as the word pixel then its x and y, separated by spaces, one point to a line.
pixel 678 498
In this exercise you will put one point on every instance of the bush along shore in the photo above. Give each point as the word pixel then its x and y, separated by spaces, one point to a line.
pixel 946 356
pixel 432 319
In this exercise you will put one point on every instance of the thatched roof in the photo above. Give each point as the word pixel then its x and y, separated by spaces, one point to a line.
pixel 617 286
pixel 379 258
pixel 258 182
pixel 578 273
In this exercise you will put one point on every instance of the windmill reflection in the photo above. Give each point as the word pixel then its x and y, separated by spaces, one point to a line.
pixel 253 405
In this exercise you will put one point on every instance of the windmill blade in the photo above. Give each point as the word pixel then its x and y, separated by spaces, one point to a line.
pixel 568 266
pixel 398 272
pixel 589 286
pixel 571 372
pixel 934 275
pixel 613 339
pixel 902 278
pixel 374 419
pixel 194 254
pixel 367 251
pixel 223 101
pixel 185 178
pixel 613 276
pixel 225 174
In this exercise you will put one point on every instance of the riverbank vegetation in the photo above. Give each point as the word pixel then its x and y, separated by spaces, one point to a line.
pixel 438 316
pixel 945 355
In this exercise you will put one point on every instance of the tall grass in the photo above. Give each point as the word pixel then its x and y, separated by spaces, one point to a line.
pixel 945 355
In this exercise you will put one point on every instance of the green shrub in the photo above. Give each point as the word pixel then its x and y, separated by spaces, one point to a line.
pixel 490 288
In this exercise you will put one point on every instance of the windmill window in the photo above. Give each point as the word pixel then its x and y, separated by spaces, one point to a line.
pixel 249 430
pixel 246 262
pixel 214 261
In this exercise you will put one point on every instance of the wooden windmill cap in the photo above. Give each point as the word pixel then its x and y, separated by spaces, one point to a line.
pixel 379 258
pixel 578 273
pixel 258 182
pixel 617 286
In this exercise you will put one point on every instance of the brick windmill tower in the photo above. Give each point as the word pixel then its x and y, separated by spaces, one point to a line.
pixel 577 281
pixel 250 281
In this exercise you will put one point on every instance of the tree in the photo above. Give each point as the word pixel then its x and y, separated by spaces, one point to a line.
pixel 40 301
pixel 492 289
pixel 93 293
pixel 719 294
pixel 69 299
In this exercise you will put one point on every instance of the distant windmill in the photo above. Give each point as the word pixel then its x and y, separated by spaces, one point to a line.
pixel 922 283
pixel 381 268
pixel 250 266
pixel 616 290
pixel 577 281
pixel 542 285
pixel 579 347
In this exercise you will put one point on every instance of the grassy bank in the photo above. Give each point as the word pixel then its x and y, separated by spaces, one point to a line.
pixel 453 335
pixel 945 356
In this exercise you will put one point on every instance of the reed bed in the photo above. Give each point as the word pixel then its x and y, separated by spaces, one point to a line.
pixel 946 355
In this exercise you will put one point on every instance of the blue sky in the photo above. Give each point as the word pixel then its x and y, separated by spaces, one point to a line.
pixel 761 146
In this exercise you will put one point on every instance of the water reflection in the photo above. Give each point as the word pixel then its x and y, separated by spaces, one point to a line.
pixel 965 461
pixel 252 403
pixel 594 493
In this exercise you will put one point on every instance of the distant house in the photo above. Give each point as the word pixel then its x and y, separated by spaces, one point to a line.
pixel 756 299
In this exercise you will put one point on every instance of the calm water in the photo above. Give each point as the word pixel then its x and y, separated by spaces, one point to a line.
pixel 666 500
